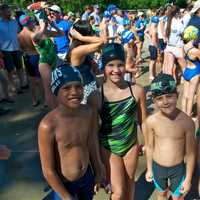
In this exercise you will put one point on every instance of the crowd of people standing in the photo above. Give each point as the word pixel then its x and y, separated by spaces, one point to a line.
pixel 86 68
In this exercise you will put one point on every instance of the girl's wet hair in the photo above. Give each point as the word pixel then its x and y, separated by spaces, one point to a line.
pixel 83 27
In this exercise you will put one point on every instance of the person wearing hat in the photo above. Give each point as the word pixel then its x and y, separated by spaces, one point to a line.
pixel 112 30
pixel 68 144
pixel 61 42
pixel 30 55
pixel 152 33
pixel 140 28
pixel 170 142
pixel 195 20
pixel 117 102
pixel 191 73
pixel 128 41
pixel 9 47
pixel 48 59
pixel 70 18
pixel 95 14
pixel 86 14
pixel 103 27
pixel 112 8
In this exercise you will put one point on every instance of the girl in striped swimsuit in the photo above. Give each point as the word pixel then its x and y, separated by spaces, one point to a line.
pixel 120 105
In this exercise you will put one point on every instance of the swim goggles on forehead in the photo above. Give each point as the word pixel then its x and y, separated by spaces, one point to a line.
pixel 160 88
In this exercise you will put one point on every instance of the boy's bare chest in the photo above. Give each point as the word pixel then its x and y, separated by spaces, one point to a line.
pixel 167 129
pixel 72 131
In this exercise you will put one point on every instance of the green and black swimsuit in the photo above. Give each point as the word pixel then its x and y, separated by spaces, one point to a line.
pixel 118 132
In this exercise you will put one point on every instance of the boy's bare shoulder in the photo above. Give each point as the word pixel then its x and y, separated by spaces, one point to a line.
pixel 153 118
pixel 48 121
pixel 186 120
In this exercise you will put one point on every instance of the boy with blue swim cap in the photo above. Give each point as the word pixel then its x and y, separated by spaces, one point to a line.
pixel 152 33
pixel 170 142
pixel 67 140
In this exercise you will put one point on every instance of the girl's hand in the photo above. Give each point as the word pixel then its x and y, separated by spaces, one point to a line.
pixel 75 34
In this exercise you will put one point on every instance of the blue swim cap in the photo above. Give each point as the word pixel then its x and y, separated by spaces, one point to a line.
pixel 111 8
pixel 126 22
pixel 107 14
pixel 25 20
pixel 127 36
pixel 64 75
pixel 155 19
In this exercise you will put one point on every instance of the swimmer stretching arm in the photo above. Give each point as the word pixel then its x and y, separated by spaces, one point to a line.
pixel 190 155
pixel 44 32
pixel 55 33
pixel 38 36
pixel 87 39
pixel 198 137
pixel 46 139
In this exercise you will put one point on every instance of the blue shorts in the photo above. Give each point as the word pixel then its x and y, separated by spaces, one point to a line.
pixel 31 63
pixel 153 52
pixel 161 45
pixel 82 189
pixel 175 175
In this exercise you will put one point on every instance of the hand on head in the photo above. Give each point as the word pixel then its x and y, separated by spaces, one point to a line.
pixel 75 34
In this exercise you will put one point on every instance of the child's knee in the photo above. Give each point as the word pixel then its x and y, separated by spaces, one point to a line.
pixel 118 193
pixel 162 194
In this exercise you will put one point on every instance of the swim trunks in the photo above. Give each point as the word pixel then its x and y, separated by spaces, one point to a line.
pixel 81 189
pixel 175 175
pixel 32 65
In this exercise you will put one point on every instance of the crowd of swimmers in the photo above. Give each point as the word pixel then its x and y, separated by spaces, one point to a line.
pixel 87 68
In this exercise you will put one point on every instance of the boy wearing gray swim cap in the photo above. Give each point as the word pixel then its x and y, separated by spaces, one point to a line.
pixel 170 138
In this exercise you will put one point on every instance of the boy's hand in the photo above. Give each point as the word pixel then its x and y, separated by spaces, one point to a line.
pixel 149 176
pixel 100 179
pixel 186 185
pixel 4 152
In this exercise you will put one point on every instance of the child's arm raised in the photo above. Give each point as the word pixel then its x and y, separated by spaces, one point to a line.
pixel 190 155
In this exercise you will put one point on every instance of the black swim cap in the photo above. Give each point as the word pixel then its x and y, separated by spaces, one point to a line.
pixel 112 51
pixel 163 84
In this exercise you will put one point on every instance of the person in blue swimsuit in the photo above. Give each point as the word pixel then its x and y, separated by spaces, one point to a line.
pixel 191 73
